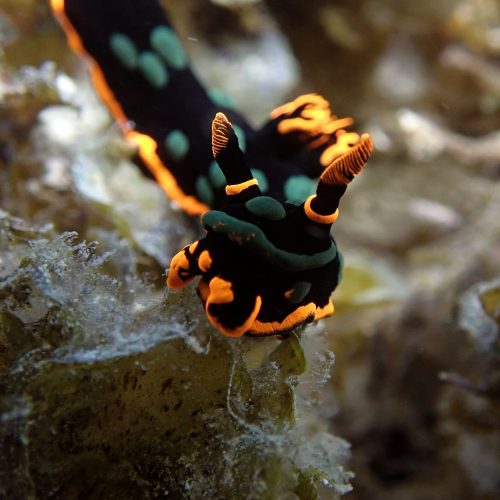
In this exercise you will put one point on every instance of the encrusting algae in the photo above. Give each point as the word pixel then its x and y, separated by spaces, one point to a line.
pixel 141 399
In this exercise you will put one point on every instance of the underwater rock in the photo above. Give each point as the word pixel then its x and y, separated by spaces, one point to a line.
pixel 479 314
pixel 426 140
pixel 478 67
pixel 470 404
pixel 401 62
pixel 477 24
pixel 109 389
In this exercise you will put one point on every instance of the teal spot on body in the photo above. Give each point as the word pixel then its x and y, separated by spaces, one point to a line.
pixel 266 207
pixel 216 175
pixel 153 69
pixel 177 144
pixel 167 44
pixel 242 140
pixel 340 274
pixel 204 190
pixel 220 98
pixel 299 291
pixel 298 188
pixel 124 50
pixel 261 179
pixel 253 239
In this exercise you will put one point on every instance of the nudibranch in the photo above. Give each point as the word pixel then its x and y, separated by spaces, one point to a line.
pixel 268 262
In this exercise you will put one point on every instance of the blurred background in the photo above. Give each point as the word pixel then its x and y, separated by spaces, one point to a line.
pixel 416 384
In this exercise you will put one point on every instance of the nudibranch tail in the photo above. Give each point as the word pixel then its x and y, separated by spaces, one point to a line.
pixel 140 70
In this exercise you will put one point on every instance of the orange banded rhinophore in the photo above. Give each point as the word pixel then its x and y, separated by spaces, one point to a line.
pixel 268 262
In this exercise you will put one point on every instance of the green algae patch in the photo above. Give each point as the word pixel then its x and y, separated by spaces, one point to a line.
pixel 146 414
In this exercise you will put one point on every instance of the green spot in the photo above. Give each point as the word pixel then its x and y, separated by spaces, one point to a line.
pixel 177 144
pixel 167 44
pixel 298 188
pixel 299 290
pixel 254 240
pixel 216 175
pixel 242 140
pixel 124 50
pixel 220 98
pixel 266 207
pixel 340 274
pixel 153 69
pixel 204 190
pixel 261 179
